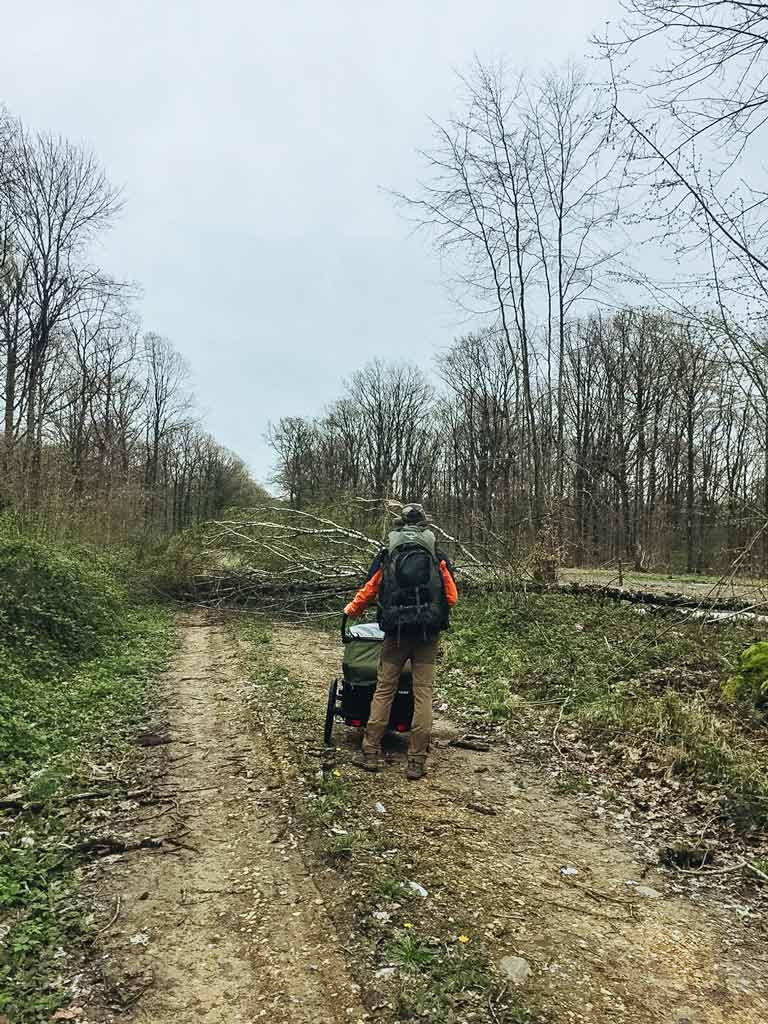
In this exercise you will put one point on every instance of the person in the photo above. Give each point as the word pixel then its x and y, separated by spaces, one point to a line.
pixel 414 586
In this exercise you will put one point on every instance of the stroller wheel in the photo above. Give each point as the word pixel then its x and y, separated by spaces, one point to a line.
pixel 330 712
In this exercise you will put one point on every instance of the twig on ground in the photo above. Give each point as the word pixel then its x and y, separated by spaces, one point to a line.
pixel 114 917
pixel 563 706
pixel 492 1009
pixel 740 865
pixel 173 807
pixel 584 910
pixel 33 806
pixel 482 809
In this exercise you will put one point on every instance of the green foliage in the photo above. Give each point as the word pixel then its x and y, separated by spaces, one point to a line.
pixel 167 567
pixel 750 681
pixel 449 982
pixel 387 886
pixel 646 680
pixel 74 653
pixel 409 951
pixel 55 609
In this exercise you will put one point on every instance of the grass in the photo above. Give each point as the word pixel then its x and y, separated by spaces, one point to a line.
pixel 653 682
pixel 74 655
pixel 366 868
pixel 447 981
pixel 637 578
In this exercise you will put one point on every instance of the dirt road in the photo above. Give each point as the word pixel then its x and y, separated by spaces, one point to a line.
pixel 226 925
pixel 611 942
pixel 229 928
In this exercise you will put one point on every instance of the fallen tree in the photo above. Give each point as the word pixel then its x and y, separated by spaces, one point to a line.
pixel 276 558
pixel 300 561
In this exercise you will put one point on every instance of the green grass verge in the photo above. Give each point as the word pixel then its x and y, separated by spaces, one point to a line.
pixel 437 973
pixel 74 655
pixel 653 681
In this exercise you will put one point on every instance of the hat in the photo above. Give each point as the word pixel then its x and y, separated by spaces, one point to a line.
pixel 412 514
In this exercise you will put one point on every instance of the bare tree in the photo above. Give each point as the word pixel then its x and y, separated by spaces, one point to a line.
pixel 691 120
pixel 293 441
pixel 57 198
pixel 395 404
pixel 518 193
pixel 167 403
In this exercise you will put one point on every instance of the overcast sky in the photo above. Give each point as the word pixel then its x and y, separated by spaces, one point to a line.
pixel 253 143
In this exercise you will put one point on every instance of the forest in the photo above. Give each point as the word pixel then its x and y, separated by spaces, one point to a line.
pixel 566 817
pixel 99 435
pixel 614 402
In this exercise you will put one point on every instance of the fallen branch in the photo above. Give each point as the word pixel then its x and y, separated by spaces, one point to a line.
pixel 471 743
pixel 740 865
pixel 104 846
pixel 114 917
pixel 563 706
pixel 35 806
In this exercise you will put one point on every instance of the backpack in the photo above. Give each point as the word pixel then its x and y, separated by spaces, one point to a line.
pixel 411 591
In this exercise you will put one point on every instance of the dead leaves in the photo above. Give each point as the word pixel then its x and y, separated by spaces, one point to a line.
pixel 73 1013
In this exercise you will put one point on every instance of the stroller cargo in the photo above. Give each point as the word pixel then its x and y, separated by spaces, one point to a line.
pixel 350 698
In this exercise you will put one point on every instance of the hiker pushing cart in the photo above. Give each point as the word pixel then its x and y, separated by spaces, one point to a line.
pixel 388 671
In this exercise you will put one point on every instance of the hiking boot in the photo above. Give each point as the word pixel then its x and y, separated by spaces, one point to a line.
pixel 368 762
pixel 416 768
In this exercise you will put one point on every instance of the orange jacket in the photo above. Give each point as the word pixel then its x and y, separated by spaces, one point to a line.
pixel 368 593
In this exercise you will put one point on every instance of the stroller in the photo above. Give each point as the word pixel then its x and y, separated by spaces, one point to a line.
pixel 349 698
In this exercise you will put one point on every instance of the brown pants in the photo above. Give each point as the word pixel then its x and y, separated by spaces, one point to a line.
pixel 422 654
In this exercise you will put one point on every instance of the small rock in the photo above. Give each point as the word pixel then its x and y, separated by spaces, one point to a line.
pixel 481 809
pixel 648 892
pixel 470 742
pixel 515 969
pixel 151 738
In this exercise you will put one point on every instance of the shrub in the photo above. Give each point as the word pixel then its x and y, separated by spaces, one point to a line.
pixel 56 609
pixel 750 681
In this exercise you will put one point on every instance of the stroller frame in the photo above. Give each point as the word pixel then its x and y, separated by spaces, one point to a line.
pixel 350 697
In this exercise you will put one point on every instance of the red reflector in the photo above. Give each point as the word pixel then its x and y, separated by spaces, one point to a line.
pixel 401 728
pixel 355 721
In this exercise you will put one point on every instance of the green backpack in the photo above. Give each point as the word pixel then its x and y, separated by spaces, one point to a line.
pixel 411 591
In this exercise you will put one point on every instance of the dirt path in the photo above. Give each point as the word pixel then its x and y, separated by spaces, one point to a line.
pixel 225 925
pixel 227 928
pixel 613 941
